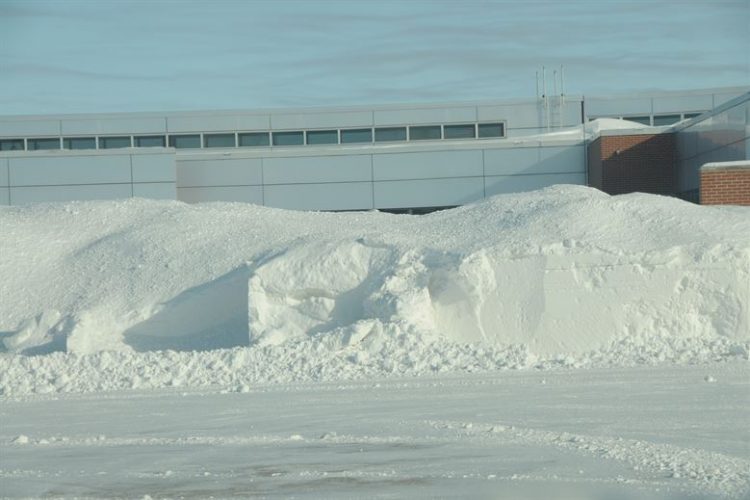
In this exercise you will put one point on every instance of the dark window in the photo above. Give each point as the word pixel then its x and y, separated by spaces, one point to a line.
pixel 424 133
pixel 253 139
pixel 467 131
pixel 218 140
pixel 322 136
pixel 387 134
pixel 114 142
pixel 645 120
pixel 692 115
pixel 149 141
pixel 288 138
pixel 356 135
pixel 491 130
pixel 666 120
pixel 11 145
pixel 79 143
pixel 185 141
pixel 35 144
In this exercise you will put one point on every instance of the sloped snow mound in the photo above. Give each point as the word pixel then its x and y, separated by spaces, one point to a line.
pixel 559 272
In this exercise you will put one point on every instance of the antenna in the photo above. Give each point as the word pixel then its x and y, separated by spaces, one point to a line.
pixel 562 95
pixel 545 99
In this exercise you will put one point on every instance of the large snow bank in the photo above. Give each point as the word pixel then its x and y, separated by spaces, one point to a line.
pixel 557 272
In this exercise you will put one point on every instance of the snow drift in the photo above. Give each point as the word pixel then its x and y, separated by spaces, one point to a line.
pixel 561 271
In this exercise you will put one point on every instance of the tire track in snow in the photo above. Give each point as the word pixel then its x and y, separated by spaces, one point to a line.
pixel 710 472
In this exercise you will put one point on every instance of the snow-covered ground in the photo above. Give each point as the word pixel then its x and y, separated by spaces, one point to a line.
pixel 648 432
pixel 561 340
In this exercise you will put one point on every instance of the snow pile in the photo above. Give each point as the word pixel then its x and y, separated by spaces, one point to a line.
pixel 555 274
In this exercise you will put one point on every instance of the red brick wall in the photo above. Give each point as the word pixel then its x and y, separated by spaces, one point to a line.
pixel 627 163
pixel 725 186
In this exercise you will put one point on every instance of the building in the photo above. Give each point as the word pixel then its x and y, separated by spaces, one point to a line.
pixel 399 158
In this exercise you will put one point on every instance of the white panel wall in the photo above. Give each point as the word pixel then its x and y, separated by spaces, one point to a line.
pixel 428 193
pixel 534 160
pixel 153 168
pixel 23 195
pixel 253 122
pixel 719 137
pixel 67 175
pixel 508 161
pixel 528 115
pixel 4 182
pixel 21 128
pixel 314 169
pixel 155 190
pixel 426 165
pixel 123 125
pixel 201 123
pixel 246 194
pixel 425 115
pixel 322 120
pixel 561 159
pixel 677 104
pixel 64 169
pixel 337 196
pixel 4 176
pixel 616 107
pixel 219 172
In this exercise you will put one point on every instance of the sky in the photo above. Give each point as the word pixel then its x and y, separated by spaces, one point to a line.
pixel 74 56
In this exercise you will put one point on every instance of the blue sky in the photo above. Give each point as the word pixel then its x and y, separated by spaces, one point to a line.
pixel 70 56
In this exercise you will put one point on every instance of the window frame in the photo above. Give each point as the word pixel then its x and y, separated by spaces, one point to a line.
pixel 68 140
pixel 102 139
pixel 438 126
pixel 34 139
pixel 172 140
pixel 206 136
pixel 474 126
pixel 14 140
pixel 287 133
pixel 503 130
pixel 150 136
pixel 403 127
pixel 335 131
pixel 356 129
pixel 266 133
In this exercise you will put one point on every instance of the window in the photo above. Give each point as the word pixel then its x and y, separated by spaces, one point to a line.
pixel 218 140
pixel 323 137
pixel 487 130
pixel 467 131
pixel 149 141
pixel 424 133
pixel 356 135
pixel 692 115
pixel 288 138
pixel 11 145
pixel 645 120
pixel 389 134
pixel 666 120
pixel 79 143
pixel 35 144
pixel 185 141
pixel 114 142
pixel 253 139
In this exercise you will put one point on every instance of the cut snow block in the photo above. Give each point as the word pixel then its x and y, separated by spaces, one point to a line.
pixel 576 303
pixel 312 289
pixel 209 316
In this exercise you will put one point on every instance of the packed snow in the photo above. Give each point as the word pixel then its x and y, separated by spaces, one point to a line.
pixel 559 340
pixel 161 293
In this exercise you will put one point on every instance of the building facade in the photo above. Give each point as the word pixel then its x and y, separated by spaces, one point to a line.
pixel 400 158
